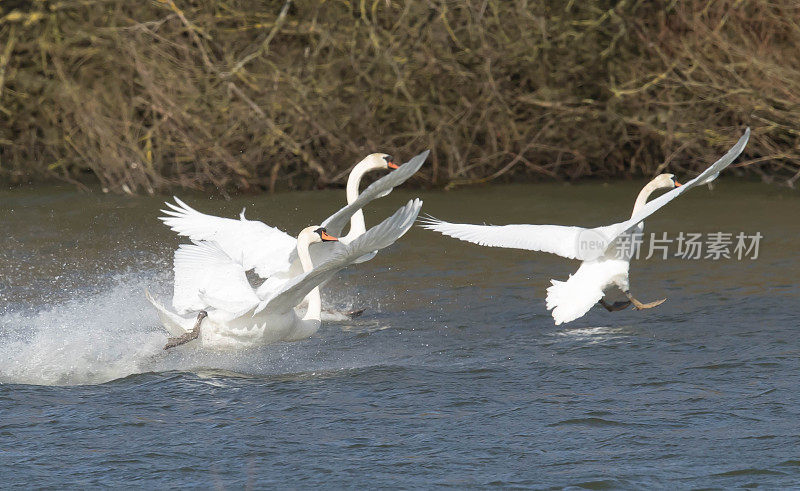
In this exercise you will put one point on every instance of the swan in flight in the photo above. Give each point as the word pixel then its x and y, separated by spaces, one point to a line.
pixel 605 251
pixel 269 251
pixel 234 314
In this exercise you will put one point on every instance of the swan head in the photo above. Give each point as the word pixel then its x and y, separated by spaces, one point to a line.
pixel 376 161
pixel 390 162
pixel 324 236
pixel 315 233
pixel 665 181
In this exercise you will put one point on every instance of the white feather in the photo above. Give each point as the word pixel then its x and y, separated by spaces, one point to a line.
pixel 555 239
pixel 254 244
pixel 571 299
pixel 205 276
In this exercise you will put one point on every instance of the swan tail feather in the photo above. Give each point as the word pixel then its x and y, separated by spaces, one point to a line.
pixel 571 299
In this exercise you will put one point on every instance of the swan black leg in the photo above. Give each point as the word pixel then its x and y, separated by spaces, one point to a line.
pixel 193 334
pixel 640 306
pixel 613 307
pixel 355 313
pixel 351 313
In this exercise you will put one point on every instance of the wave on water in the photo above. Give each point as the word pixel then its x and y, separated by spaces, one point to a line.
pixel 97 337
pixel 593 335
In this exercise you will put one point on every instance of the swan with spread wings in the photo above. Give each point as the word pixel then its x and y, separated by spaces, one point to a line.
pixel 270 252
pixel 233 314
pixel 603 250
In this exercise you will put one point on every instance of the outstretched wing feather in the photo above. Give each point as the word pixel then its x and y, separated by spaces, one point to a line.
pixel 254 244
pixel 205 276
pixel 555 239
pixel 376 238
pixel 611 232
pixel 336 222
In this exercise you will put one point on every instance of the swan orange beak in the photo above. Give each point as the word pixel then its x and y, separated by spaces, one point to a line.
pixel 391 165
pixel 326 237
pixel 677 184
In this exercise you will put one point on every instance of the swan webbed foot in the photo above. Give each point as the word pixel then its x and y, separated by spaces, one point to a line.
pixel 613 307
pixel 641 306
pixel 193 334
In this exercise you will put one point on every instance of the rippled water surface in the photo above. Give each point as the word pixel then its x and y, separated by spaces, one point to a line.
pixel 455 374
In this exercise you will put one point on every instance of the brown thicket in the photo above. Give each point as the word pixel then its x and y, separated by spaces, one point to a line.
pixel 145 95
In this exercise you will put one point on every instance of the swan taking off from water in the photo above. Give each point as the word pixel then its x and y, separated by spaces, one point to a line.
pixel 602 249
pixel 234 314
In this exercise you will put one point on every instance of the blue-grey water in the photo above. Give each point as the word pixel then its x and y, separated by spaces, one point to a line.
pixel 455 375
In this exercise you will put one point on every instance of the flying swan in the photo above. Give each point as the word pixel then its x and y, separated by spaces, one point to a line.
pixel 605 251
pixel 238 315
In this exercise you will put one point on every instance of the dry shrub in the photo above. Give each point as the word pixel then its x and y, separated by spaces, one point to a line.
pixel 257 95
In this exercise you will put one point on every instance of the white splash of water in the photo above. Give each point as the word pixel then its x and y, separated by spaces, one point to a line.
pixel 94 338
pixel 91 338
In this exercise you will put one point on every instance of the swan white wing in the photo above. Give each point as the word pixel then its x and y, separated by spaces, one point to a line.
pixel 335 223
pixel 205 276
pixel 380 188
pixel 320 253
pixel 254 244
pixel 555 239
pixel 376 238
pixel 611 232
pixel 573 242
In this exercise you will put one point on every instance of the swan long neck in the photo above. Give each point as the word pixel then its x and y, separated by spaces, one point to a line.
pixel 357 224
pixel 645 193
pixel 314 312
pixel 313 298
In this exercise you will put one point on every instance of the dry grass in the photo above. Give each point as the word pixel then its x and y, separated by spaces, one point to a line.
pixel 257 95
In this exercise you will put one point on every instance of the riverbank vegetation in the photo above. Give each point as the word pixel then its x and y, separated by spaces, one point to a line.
pixel 245 96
